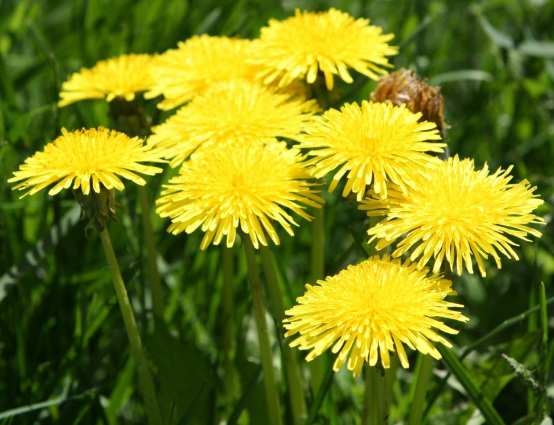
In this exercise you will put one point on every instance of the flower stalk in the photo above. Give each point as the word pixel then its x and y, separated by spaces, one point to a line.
pixel 146 381
pixel 388 386
pixel 130 118
pixel 373 397
pixel 228 323
pixel 292 368
pixel 151 255
pixel 319 365
pixel 271 390
pixel 424 372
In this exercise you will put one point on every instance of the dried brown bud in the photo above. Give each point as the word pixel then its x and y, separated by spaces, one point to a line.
pixel 403 87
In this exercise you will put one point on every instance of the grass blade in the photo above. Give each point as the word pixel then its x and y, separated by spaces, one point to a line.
pixel 461 373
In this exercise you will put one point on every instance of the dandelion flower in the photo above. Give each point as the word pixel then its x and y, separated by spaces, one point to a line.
pixel 456 213
pixel 371 309
pixel 182 73
pixel 235 110
pixel 123 76
pixel 329 42
pixel 84 158
pixel 375 143
pixel 232 185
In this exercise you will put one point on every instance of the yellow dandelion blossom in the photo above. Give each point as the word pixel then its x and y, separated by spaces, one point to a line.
pixel 456 213
pixel 239 185
pixel 330 42
pixel 375 143
pixel 182 73
pixel 84 158
pixel 235 110
pixel 123 76
pixel 369 310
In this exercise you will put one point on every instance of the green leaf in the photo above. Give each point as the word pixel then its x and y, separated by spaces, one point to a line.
pixel 498 37
pixel 492 374
pixel 541 49
pixel 461 75
pixel 186 378
pixel 122 392
pixel 40 251
pixel 48 404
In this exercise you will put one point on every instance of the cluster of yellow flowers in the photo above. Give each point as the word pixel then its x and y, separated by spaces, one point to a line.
pixel 242 105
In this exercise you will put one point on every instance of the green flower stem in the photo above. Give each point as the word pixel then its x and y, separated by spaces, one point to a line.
pixel 319 364
pixel 462 375
pixel 151 255
pixel 424 373
pixel 373 398
pixel 145 378
pixel 318 245
pixel 271 390
pixel 228 322
pixel 130 118
pixel 545 364
pixel 292 368
pixel 389 381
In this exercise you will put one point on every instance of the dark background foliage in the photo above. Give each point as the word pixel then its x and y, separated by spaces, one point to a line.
pixel 63 355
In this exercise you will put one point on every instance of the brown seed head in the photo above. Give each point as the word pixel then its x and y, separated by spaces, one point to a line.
pixel 403 87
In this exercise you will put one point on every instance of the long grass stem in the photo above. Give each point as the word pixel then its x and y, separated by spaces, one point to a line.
pixel 506 324
pixel 462 375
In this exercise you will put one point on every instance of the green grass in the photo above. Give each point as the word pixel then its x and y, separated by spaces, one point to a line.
pixel 63 348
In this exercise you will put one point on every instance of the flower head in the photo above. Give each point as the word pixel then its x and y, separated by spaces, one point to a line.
pixel 456 213
pixel 236 110
pixel 123 76
pixel 375 143
pixel 371 309
pixel 86 158
pixel 182 73
pixel 231 185
pixel 330 42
